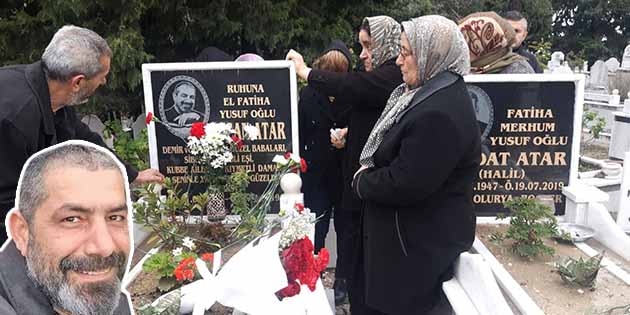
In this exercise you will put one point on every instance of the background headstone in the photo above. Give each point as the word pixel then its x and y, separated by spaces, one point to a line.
pixel 622 82
pixel 599 76
pixel 96 125
pixel 625 61
pixel 563 69
pixel 612 64
pixel 138 125
pixel 557 57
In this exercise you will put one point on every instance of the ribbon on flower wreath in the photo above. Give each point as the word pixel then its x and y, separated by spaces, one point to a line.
pixel 247 282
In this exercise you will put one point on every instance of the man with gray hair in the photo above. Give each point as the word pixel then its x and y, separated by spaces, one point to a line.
pixel 36 104
pixel 69 235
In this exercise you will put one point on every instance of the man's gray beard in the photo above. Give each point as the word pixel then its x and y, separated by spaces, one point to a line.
pixel 89 299
pixel 78 98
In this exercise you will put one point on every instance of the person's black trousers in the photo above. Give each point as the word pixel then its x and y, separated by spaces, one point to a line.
pixel 347 226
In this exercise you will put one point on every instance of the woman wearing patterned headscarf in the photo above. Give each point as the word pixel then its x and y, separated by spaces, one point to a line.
pixel 366 93
pixel 417 172
pixel 490 39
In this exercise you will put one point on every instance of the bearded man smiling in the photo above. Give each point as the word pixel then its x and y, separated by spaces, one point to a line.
pixel 69 235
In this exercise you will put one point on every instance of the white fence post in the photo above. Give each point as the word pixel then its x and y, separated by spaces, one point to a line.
pixel 623 214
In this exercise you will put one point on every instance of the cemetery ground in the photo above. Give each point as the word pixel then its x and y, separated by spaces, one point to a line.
pixel 538 278
pixel 594 148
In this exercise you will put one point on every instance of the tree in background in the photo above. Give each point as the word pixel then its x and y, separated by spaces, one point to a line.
pixel 141 31
pixel 26 27
pixel 591 29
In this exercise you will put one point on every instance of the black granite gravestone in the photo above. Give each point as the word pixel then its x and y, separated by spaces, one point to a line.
pixel 527 133
pixel 259 97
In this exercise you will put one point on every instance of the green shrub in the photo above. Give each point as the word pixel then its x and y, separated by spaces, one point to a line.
pixel 530 222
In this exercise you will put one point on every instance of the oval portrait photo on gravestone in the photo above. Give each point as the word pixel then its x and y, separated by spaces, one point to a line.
pixel 183 101
pixel 483 109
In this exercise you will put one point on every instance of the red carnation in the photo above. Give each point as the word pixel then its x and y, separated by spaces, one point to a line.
pixel 184 271
pixel 292 289
pixel 188 261
pixel 287 155
pixel 303 165
pixel 300 265
pixel 198 130
pixel 321 262
pixel 299 207
pixel 149 118
pixel 207 257
pixel 237 141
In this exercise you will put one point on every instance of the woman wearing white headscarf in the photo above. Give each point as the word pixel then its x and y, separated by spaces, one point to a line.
pixel 366 93
pixel 417 172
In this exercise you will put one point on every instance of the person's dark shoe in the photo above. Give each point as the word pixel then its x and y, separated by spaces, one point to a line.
pixel 341 291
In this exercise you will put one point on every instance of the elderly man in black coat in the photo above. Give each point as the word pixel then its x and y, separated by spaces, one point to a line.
pixel 36 105
pixel 366 93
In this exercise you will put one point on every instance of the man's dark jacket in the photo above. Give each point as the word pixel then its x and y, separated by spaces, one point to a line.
pixel 367 93
pixel 28 125
pixel 20 296
pixel 531 58
pixel 418 214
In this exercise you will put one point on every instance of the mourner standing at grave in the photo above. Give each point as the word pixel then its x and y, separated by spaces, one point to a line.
pixel 366 92
pixel 519 23
pixel 319 114
pixel 490 39
pixel 37 105
pixel 70 236
pixel 418 214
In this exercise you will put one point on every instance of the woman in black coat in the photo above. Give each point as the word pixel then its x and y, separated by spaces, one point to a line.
pixel 318 113
pixel 366 93
pixel 417 172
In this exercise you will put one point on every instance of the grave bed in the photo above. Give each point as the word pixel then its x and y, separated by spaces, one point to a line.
pixel 546 287
pixel 143 285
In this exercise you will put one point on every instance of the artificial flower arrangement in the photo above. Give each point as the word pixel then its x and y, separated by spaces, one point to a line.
pixel 297 252
pixel 214 143
pixel 283 267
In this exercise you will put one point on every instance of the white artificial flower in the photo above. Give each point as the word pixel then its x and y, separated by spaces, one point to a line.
pixel 188 242
pixel 218 129
pixel 297 227
pixel 279 159
pixel 252 132
pixel 177 251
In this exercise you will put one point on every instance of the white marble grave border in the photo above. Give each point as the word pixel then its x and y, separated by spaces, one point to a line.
pixel 147 68
pixel 577 79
